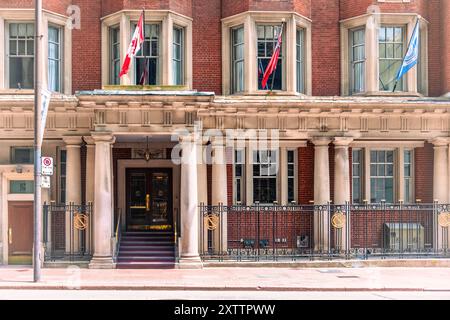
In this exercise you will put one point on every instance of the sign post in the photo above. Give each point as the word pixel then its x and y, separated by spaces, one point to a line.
pixel 37 235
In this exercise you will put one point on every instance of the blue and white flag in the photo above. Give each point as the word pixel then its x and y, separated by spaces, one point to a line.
pixel 45 99
pixel 412 55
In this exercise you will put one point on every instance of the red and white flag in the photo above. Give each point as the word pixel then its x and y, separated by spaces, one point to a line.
pixel 135 46
pixel 272 66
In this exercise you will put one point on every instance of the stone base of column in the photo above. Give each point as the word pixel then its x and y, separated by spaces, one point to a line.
pixel 102 263
pixel 190 263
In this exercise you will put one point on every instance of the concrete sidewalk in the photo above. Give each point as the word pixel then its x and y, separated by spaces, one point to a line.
pixel 236 279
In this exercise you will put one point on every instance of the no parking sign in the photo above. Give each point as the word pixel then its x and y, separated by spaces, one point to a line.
pixel 47 166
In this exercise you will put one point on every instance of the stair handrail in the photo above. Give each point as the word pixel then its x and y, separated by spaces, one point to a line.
pixel 117 233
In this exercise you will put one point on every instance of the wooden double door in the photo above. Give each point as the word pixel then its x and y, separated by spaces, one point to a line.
pixel 149 199
pixel 20 232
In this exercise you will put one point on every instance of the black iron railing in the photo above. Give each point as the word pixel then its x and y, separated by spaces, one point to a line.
pixel 273 232
pixel 67 231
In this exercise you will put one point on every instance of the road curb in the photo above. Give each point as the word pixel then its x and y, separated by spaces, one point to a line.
pixel 212 288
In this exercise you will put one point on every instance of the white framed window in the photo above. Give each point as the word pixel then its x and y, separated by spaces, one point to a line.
pixel 239 176
pixel 178 56
pixel 21 55
pixel 114 55
pixel 386 38
pixel 237 59
pixel 408 175
pixel 382 176
pixel 147 61
pixel 300 59
pixel 21 186
pixel 266 44
pixel 265 176
pixel 55 55
pixel 22 155
pixel 62 176
pixel 357 176
pixel 357 55
pixel 391 44
pixel 291 176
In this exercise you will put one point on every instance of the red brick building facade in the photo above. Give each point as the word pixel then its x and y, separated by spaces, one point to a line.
pixel 343 133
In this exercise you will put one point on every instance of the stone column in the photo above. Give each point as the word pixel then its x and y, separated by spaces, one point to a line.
pixel 341 184
pixel 202 190
pixel 90 183
pixel 188 206
pixel 103 221
pixel 321 192
pixel 73 186
pixel 440 182
pixel 445 47
pixel 219 192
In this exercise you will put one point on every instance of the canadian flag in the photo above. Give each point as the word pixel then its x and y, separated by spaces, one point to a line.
pixel 135 46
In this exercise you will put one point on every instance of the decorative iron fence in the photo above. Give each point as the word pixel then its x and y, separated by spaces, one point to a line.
pixel 273 232
pixel 67 231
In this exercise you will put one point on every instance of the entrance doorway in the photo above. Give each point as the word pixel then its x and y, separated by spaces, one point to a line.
pixel 149 199
pixel 20 232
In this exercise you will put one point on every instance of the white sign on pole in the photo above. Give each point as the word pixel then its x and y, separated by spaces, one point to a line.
pixel 45 182
pixel 46 95
pixel 47 166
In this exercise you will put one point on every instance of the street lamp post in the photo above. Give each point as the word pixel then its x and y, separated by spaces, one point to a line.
pixel 37 143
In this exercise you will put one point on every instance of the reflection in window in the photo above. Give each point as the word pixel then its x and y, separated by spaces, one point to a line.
pixel 54 58
pixel 391 52
pixel 382 176
pixel 265 170
pixel 407 165
pixel 22 155
pixel 357 60
pixel 357 165
pixel 178 56
pixel 21 187
pixel 291 175
pixel 114 55
pixel 21 55
pixel 300 60
pixel 267 41
pixel 237 62
pixel 147 59
pixel 239 165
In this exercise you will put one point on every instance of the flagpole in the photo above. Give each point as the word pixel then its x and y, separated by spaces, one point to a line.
pixel 407 48
pixel 143 46
pixel 37 144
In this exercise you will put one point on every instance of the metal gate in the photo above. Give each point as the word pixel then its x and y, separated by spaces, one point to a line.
pixel 67 231
pixel 295 232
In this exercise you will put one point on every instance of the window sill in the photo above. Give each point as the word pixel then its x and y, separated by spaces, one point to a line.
pixel 17 91
pixel 146 87
pixel 268 93
pixel 388 94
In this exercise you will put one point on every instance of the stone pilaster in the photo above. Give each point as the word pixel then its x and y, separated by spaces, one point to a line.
pixel 190 219
pixel 90 178
pixel 103 215
pixel 440 182
pixel 341 184
pixel 321 192
pixel 73 186
pixel 219 192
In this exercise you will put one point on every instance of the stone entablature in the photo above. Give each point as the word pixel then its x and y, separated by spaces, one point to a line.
pixel 301 118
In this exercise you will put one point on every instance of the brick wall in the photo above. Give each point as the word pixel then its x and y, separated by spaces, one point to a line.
pixel 306 174
pixel 86 53
pixel 325 48
pixel 445 46
pixel 423 173
pixel 207 51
